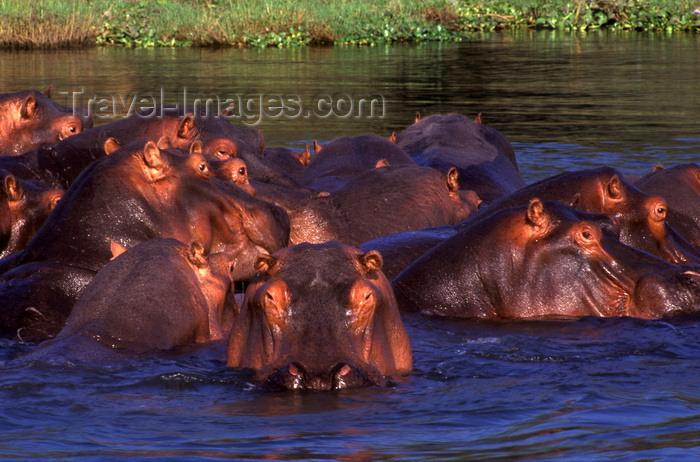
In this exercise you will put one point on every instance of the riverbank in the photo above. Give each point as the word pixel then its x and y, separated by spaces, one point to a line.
pixel 283 23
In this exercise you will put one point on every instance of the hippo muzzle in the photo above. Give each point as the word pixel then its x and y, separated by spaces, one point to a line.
pixel 293 375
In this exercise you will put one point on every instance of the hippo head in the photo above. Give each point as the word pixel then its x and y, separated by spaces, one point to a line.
pixel 541 260
pixel 320 317
pixel 24 207
pixel 642 217
pixel 583 270
pixel 30 119
pixel 233 170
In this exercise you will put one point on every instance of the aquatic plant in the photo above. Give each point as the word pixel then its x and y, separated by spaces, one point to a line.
pixel 287 23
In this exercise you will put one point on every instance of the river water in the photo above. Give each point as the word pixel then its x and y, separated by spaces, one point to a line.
pixel 620 389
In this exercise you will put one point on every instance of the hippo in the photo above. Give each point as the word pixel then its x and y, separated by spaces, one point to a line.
pixel 234 171
pixel 23 209
pixel 642 218
pixel 680 188
pixel 377 202
pixel 30 119
pixel 291 162
pixel 401 249
pixel 137 193
pixel 544 260
pixel 320 317
pixel 340 160
pixel 158 295
pixel 482 155
pixel 59 165
pixel 392 199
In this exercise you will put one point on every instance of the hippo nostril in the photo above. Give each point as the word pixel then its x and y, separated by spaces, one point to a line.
pixel 344 370
pixel 294 371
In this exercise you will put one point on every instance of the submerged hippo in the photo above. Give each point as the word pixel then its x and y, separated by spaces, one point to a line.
pixel 341 159
pixel 320 317
pixel 155 296
pixel 137 193
pixel 29 119
pixel 483 157
pixel 543 260
pixel 23 209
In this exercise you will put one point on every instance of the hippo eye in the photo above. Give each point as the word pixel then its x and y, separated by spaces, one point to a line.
pixel 661 211
pixel 72 129
pixel 202 167
pixel 231 267
pixel 586 235
pixel 241 171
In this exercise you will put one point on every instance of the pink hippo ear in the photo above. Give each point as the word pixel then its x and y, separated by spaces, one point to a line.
pixel 116 249
pixel 196 147
pixel 196 254
pixel 452 180
pixel 265 263
pixel 110 145
pixel 13 189
pixel 28 109
pixel 317 147
pixel 305 156
pixel 381 163
pixel 154 161
pixel 392 137
pixel 615 187
pixel 164 143
pixel 536 215
pixel 186 128
pixel 371 260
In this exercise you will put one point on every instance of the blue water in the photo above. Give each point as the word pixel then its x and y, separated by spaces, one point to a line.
pixel 605 389
pixel 613 388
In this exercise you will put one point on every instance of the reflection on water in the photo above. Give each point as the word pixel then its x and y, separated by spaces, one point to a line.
pixel 594 388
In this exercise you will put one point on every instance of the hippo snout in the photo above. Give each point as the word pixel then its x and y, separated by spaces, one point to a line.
pixel 295 376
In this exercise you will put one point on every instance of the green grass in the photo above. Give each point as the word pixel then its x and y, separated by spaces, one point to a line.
pixel 261 23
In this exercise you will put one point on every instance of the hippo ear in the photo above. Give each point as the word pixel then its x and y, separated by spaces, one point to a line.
pixel 196 147
pixel 151 155
pixel 164 143
pixel 615 187
pixel 305 156
pixel 371 260
pixel 317 147
pixel 48 91
pixel 196 254
pixel 657 168
pixel 186 128
pixel 535 213
pixel 392 137
pixel 265 263
pixel 229 110
pixel 13 189
pixel 575 200
pixel 452 180
pixel 28 107
pixel 110 145
pixel 381 163
pixel 116 249
pixel 416 118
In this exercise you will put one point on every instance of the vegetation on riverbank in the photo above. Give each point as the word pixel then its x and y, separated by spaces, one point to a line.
pixel 260 23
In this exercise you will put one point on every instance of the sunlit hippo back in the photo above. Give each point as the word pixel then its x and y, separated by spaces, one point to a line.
pixel 320 317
